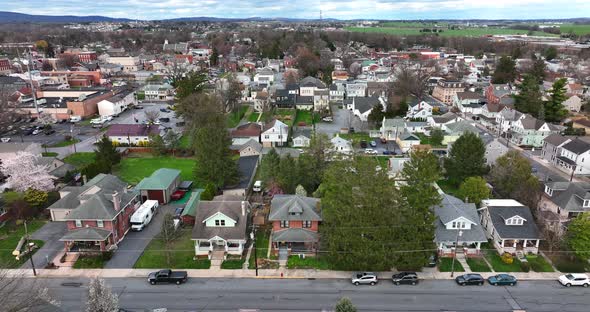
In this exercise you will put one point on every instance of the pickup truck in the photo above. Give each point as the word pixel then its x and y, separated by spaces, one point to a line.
pixel 168 276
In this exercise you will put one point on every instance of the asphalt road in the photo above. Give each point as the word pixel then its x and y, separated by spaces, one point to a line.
pixel 135 294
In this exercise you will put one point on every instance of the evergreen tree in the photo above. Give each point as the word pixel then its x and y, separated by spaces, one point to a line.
pixel 554 109
pixel 466 158
pixel 550 53
pixel 287 177
pixel 474 190
pixel 214 57
pixel 505 70
pixel 193 83
pixel 437 136
pixel 269 166
pixel 376 115
pixel 529 99
pixel 345 305
pixel 512 177
pixel 106 153
pixel 538 70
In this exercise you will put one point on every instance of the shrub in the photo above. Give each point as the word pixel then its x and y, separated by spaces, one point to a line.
pixel 507 258
pixel 209 192
pixel 525 266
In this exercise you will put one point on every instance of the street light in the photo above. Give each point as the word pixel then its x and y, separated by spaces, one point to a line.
pixel 459 234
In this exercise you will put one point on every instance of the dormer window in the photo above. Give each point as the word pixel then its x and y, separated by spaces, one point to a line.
pixel 586 203
pixel 219 222
pixel 549 191
pixel 514 221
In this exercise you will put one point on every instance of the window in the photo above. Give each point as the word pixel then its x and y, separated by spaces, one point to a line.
pixel 307 224
pixel 285 224
pixel 78 223
pixel 549 191
pixel 99 223
pixel 219 222
pixel 267 136
pixel 586 203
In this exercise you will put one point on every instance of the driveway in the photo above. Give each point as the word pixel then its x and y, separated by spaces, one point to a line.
pixel 50 233
pixel 132 246
pixel 343 118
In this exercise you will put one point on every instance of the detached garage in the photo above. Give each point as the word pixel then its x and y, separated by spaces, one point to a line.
pixel 160 185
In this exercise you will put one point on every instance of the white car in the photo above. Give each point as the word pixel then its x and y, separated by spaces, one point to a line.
pixel 36 131
pixel 5 140
pixel 574 279
pixel 370 151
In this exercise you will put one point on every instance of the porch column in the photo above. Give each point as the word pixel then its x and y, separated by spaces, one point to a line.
pixel 514 243
pixel 537 243
pixel 502 244
pixel 524 244
pixel 478 246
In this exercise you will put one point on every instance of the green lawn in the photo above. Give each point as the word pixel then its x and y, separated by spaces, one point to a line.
pixel 445 265
pixel 568 263
pixel 383 161
pixel 9 237
pixel 575 28
pixel 306 117
pixel 181 252
pixel 262 237
pixel 253 117
pixel 539 263
pixel 132 169
pixel 49 154
pixel 233 118
pixel 185 142
pixel 447 187
pixel 478 265
pixel 90 262
pixel 63 143
pixel 498 265
pixel 294 262
pixel 233 264
pixel 357 138
pixel 469 32
pixel 80 159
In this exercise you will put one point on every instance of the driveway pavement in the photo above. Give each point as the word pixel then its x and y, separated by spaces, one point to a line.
pixel 50 233
pixel 132 246
pixel 342 119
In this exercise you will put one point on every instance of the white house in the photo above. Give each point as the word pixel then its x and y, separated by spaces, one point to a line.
pixel 573 103
pixel 117 104
pixel 356 89
pixel 575 155
pixel 302 137
pixel 336 92
pixel 158 92
pixel 129 63
pixel 308 85
pixel 341 146
pixel 507 117
pixel 264 76
pixel 132 133
pixel 419 109
pixel 362 106
pixel 274 133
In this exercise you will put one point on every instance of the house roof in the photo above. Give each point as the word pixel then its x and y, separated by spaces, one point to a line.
pixel 393 123
pixel 461 127
pixel 86 234
pixel 296 235
pixel 250 129
pixel 161 179
pixel 253 144
pixel 363 104
pixel 98 206
pixel 452 208
pixel 231 209
pixel 190 209
pixel 569 195
pixel 102 183
pixel 499 214
pixel 556 139
pixel 275 123
pixel 294 207
pixel 584 122
pixel 312 82
pixel 577 146
pixel 468 95
pixel 132 130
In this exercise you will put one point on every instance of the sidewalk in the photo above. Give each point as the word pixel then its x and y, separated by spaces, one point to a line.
pixel 262 273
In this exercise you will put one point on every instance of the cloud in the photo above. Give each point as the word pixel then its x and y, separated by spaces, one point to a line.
pixel 342 9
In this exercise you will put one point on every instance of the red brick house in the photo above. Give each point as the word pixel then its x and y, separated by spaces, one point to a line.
pixel 295 223
pixel 495 93
pixel 101 219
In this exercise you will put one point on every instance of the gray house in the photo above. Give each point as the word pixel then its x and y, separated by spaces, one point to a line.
pixel 494 148
pixel 552 147
pixel 457 221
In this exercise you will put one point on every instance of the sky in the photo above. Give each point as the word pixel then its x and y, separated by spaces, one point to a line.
pixel 310 9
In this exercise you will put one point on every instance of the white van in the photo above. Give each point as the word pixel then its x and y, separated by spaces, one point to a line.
pixel 75 118
pixel 257 186
pixel 143 215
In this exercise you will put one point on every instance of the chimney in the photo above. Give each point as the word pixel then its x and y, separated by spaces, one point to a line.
pixel 243 207
pixel 116 201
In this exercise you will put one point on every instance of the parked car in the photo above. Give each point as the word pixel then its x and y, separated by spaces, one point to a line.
pixel 386 152
pixel 432 260
pixel 36 131
pixel 164 119
pixel 502 279
pixel 164 110
pixel 373 144
pixel 138 107
pixel 168 276
pixel 178 212
pixel 179 194
pixel 368 278
pixel 351 130
pixel 470 279
pixel 574 279
pixel 383 140
pixel 410 278
pixel 370 151
pixel 328 119
pixel 364 144
pixel 5 140
pixel 49 131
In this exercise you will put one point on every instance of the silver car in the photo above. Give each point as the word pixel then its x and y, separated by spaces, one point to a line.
pixel 368 278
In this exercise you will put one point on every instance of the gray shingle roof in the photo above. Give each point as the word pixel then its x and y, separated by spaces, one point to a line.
pixel 232 209
pixel 569 195
pixel 296 235
pixel 86 234
pixel 450 209
pixel 556 139
pixel 106 184
pixel 294 208
pixel 99 207
pixel 499 214
pixel 577 146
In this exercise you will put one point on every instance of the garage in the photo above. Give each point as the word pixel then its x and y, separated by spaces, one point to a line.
pixel 158 195
pixel 160 185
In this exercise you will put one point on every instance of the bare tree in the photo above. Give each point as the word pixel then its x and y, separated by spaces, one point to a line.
pixel 21 294
pixel 231 94
pixel 411 79
pixel 169 234
pixel 101 298
pixel 151 116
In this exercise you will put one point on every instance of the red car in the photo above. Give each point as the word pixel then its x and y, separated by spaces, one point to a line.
pixel 178 195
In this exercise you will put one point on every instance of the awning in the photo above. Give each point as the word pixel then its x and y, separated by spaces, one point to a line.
pixel 87 234
pixel 295 236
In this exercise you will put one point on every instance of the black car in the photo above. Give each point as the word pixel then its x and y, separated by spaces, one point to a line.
pixel 410 278
pixel 363 144
pixel 470 279
pixel 168 276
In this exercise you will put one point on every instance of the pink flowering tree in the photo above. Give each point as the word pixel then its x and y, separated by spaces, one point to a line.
pixel 24 172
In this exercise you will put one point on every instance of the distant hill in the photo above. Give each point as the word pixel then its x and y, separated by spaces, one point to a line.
pixel 12 17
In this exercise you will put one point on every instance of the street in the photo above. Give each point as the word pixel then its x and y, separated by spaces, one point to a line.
pixel 135 294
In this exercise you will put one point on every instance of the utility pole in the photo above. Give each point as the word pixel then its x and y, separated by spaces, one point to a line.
pixel 29 248
pixel 459 233
pixel 32 84
pixel 255 253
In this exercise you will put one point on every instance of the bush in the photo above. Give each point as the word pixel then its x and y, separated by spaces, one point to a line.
pixel 209 192
pixel 507 258
pixel 525 266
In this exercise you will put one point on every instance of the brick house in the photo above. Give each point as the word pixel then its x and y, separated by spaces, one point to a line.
pixel 446 90
pixel 295 222
pixel 101 218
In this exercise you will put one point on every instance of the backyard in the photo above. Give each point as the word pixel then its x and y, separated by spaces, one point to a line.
pixel 307 117
pixel 133 169
pixel 182 251
pixel 9 237
pixel 253 117
pixel 447 187
pixel 233 118
pixel 356 138
pixel 79 160
pixel 565 262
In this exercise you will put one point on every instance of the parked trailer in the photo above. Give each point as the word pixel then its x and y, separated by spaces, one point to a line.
pixel 144 214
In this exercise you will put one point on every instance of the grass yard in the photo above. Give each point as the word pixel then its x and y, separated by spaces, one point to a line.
pixel 233 118
pixel 253 117
pixel 294 262
pixel 568 263
pixel 286 115
pixel 182 252
pixel 134 169
pixel 308 117
pixel 357 138
pixel 478 265
pixel 445 265
pixel 90 262
pixel 447 187
pixel 498 265
pixel 233 264
pixel 539 263
pixel 63 143
pixel 9 236
pixel 79 160
pixel 575 28
pixel 408 30
pixel 262 238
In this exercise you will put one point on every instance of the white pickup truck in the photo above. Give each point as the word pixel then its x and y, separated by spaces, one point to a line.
pixel 101 119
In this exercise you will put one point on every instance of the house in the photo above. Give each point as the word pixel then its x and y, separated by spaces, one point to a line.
pixel 116 104
pixel 455 130
pixel 265 76
pixel 357 89
pixel 220 227
pixel 308 85
pixel 391 127
pixel 494 148
pixel 395 165
pixel 132 134
pixel 362 106
pixel 275 133
pixel 446 90
pixel 160 185
pixel 531 131
pixel 498 93
pixel 563 201
pixel 552 147
pixel 337 93
pixel 304 102
pixel 261 101
pixel 441 120
pixel 341 146
pixel 295 222
pixel 245 133
pixel 302 137
pixel 419 109
pixel 582 124
pixel 321 100
pixel 457 221
pixel 575 156
pixel 573 103
pixel 511 226
pixel 468 102
pixel 250 148
pixel 283 99
pixel 506 118
pixel 56 167
pixel 96 214
pixel 129 63
pixel 158 92
pixel 406 141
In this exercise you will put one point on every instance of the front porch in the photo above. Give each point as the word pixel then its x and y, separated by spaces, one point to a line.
pixel 448 249
pixel 294 241
pixel 218 244
pixel 512 246
pixel 88 240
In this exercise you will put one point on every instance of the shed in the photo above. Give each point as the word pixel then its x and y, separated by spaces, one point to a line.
pixel 190 210
pixel 160 185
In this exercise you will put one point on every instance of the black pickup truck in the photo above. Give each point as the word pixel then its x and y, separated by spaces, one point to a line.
pixel 168 276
